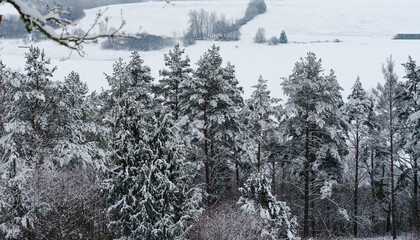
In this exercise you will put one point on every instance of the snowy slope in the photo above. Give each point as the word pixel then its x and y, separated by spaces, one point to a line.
pixel 364 26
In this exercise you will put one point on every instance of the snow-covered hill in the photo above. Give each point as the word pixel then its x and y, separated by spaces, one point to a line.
pixel 364 26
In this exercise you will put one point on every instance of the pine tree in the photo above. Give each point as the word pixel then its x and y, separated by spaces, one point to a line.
pixel 408 113
pixel 314 126
pixel 261 114
pixel 257 198
pixel 212 102
pixel 387 106
pixel 357 111
pixel 72 124
pixel 25 144
pixel 170 86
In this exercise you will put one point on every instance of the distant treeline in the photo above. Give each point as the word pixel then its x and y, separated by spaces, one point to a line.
pixel 145 42
pixel 204 25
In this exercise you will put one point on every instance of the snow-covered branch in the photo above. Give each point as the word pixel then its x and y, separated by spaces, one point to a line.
pixel 34 20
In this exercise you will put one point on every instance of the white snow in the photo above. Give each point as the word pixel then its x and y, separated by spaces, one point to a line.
pixel 365 27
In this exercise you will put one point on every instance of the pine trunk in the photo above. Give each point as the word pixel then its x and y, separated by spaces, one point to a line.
pixel 306 173
pixel 259 156
pixel 393 205
pixel 416 222
pixel 415 196
pixel 206 153
pixel 237 168
pixel 356 185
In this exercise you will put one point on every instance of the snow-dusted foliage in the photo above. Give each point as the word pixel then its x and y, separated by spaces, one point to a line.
pixel 73 125
pixel 148 185
pixel 212 101
pixel 256 198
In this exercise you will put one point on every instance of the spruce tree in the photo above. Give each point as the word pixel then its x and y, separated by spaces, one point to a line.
pixel 147 184
pixel 257 198
pixel 314 126
pixel 283 37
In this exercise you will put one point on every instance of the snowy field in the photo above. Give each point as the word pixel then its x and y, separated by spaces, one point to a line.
pixel 365 28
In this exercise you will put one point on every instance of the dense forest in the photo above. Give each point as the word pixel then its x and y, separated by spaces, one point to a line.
pixel 185 156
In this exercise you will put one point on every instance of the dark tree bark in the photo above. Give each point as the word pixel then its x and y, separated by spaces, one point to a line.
pixel 356 185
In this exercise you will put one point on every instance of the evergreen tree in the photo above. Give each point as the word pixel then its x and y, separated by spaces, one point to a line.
pixel 314 126
pixel 25 146
pixel 261 114
pixel 212 101
pixel 357 111
pixel 283 37
pixel 72 125
pixel 148 183
pixel 387 105
pixel 170 85
pixel 410 127
pixel 257 198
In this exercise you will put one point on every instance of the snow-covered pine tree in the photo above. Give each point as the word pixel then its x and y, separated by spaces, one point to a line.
pixel 25 144
pixel 314 126
pixel 261 115
pixel 72 125
pixel 356 112
pixel 257 198
pixel 212 101
pixel 387 106
pixel 408 113
pixel 170 86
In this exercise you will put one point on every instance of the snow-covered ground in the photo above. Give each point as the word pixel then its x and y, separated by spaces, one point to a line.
pixel 365 28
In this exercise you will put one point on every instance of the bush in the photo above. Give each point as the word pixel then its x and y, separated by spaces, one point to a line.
pixel 227 221
pixel 283 37
pixel 188 39
pixel 260 36
pixel 273 40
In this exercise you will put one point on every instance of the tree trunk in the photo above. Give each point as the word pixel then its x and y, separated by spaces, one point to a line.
pixel 415 196
pixel 391 148
pixel 273 177
pixel 306 173
pixel 416 222
pixel 237 168
pixel 356 185
pixel 259 156
pixel 206 152
pixel 372 217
